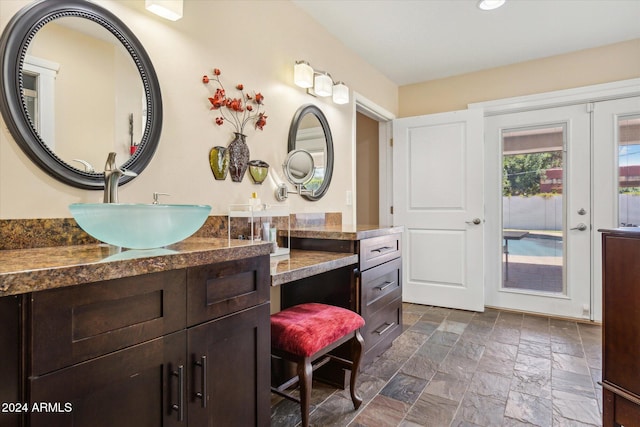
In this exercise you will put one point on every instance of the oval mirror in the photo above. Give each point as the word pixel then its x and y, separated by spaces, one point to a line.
pixel 78 85
pixel 310 132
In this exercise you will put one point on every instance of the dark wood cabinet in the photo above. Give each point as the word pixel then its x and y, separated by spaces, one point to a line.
pixel 11 367
pixel 381 306
pixel 134 387
pixel 621 327
pixel 177 348
pixel 231 373
pixel 380 292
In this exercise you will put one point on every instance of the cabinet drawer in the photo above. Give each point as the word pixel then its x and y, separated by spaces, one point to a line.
pixel 219 289
pixel 71 325
pixel 377 250
pixel 380 285
pixel 383 324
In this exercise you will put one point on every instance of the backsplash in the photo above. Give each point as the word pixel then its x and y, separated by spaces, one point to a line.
pixel 48 232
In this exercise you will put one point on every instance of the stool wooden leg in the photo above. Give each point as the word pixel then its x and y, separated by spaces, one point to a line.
pixel 356 357
pixel 305 378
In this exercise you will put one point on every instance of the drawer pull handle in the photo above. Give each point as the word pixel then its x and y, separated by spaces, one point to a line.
pixel 385 328
pixel 179 407
pixel 203 381
pixel 383 249
pixel 385 285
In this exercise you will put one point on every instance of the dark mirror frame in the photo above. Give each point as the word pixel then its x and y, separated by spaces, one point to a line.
pixel 14 42
pixel 293 131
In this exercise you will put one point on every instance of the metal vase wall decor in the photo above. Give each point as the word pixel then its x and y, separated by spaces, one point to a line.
pixel 219 162
pixel 238 157
pixel 258 170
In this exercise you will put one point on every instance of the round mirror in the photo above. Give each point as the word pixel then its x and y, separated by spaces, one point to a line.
pixel 310 132
pixel 78 85
pixel 298 167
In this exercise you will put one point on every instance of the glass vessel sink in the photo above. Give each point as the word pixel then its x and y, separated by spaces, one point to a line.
pixel 139 226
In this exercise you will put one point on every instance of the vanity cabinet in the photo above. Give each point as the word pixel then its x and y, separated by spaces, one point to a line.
pixel 380 293
pixel 229 355
pixel 176 348
pixel 376 292
pixel 621 328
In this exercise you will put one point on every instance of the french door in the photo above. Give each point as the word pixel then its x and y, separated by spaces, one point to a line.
pixel 553 180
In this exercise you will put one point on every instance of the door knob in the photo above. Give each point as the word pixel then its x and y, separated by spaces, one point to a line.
pixel 579 227
pixel 475 221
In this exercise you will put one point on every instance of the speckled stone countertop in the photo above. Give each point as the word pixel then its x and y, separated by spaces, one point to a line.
pixel 345 232
pixel 300 264
pixel 29 270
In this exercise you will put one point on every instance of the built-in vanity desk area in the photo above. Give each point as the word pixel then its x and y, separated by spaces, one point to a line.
pixel 375 277
pixel 174 336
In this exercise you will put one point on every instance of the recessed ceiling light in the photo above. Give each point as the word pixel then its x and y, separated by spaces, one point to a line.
pixel 490 4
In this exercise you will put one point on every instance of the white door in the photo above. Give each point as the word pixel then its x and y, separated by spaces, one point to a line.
pixel 539 211
pixel 438 197
pixel 616 180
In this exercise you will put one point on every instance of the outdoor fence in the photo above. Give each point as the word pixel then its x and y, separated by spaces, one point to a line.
pixel 545 212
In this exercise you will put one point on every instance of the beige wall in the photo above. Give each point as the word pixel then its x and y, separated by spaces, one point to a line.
pixel 367 170
pixel 605 64
pixel 252 42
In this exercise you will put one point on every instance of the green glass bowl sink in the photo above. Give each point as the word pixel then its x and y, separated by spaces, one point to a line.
pixel 139 226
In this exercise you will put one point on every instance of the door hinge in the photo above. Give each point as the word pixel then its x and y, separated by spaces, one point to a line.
pixel 391 142
pixel 391 210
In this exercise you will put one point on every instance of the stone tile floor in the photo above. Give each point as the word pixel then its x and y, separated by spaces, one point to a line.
pixel 459 368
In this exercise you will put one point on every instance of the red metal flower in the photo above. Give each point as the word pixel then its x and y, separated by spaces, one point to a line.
pixel 261 121
pixel 236 111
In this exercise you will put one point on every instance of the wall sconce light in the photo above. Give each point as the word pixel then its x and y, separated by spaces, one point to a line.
pixel 319 83
pixel 168 9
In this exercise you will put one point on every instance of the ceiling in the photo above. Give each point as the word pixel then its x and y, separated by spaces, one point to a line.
pixel 413 41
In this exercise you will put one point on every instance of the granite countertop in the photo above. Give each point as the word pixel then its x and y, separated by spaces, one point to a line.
pixel 28 270
pixel 345 232
pixel 301 263
pixel 37 269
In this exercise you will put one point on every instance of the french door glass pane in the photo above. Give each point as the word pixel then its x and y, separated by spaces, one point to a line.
pixel 532 209
pixel 629 171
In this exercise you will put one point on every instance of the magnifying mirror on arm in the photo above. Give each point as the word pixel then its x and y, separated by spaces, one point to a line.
pixel 299 169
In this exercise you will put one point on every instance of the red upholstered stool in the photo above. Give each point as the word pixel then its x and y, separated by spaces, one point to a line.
pixel 304 333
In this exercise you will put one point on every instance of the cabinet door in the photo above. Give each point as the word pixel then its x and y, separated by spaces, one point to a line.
pixel 621 327
pixel 230 370
pixel 134 387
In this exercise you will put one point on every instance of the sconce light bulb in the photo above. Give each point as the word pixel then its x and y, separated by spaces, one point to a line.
pixel 303 74
pixel 340 93
pixel 323 85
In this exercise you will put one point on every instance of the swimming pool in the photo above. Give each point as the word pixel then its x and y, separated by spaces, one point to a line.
pixel 536 245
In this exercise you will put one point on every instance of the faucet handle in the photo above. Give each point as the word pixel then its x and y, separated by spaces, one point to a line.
pixel 155 196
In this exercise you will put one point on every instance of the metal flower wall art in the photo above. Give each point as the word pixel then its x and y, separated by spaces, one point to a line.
pixel 237 112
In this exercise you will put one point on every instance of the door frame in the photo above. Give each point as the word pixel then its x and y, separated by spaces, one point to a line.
pixel 385 119
pixel 581 95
